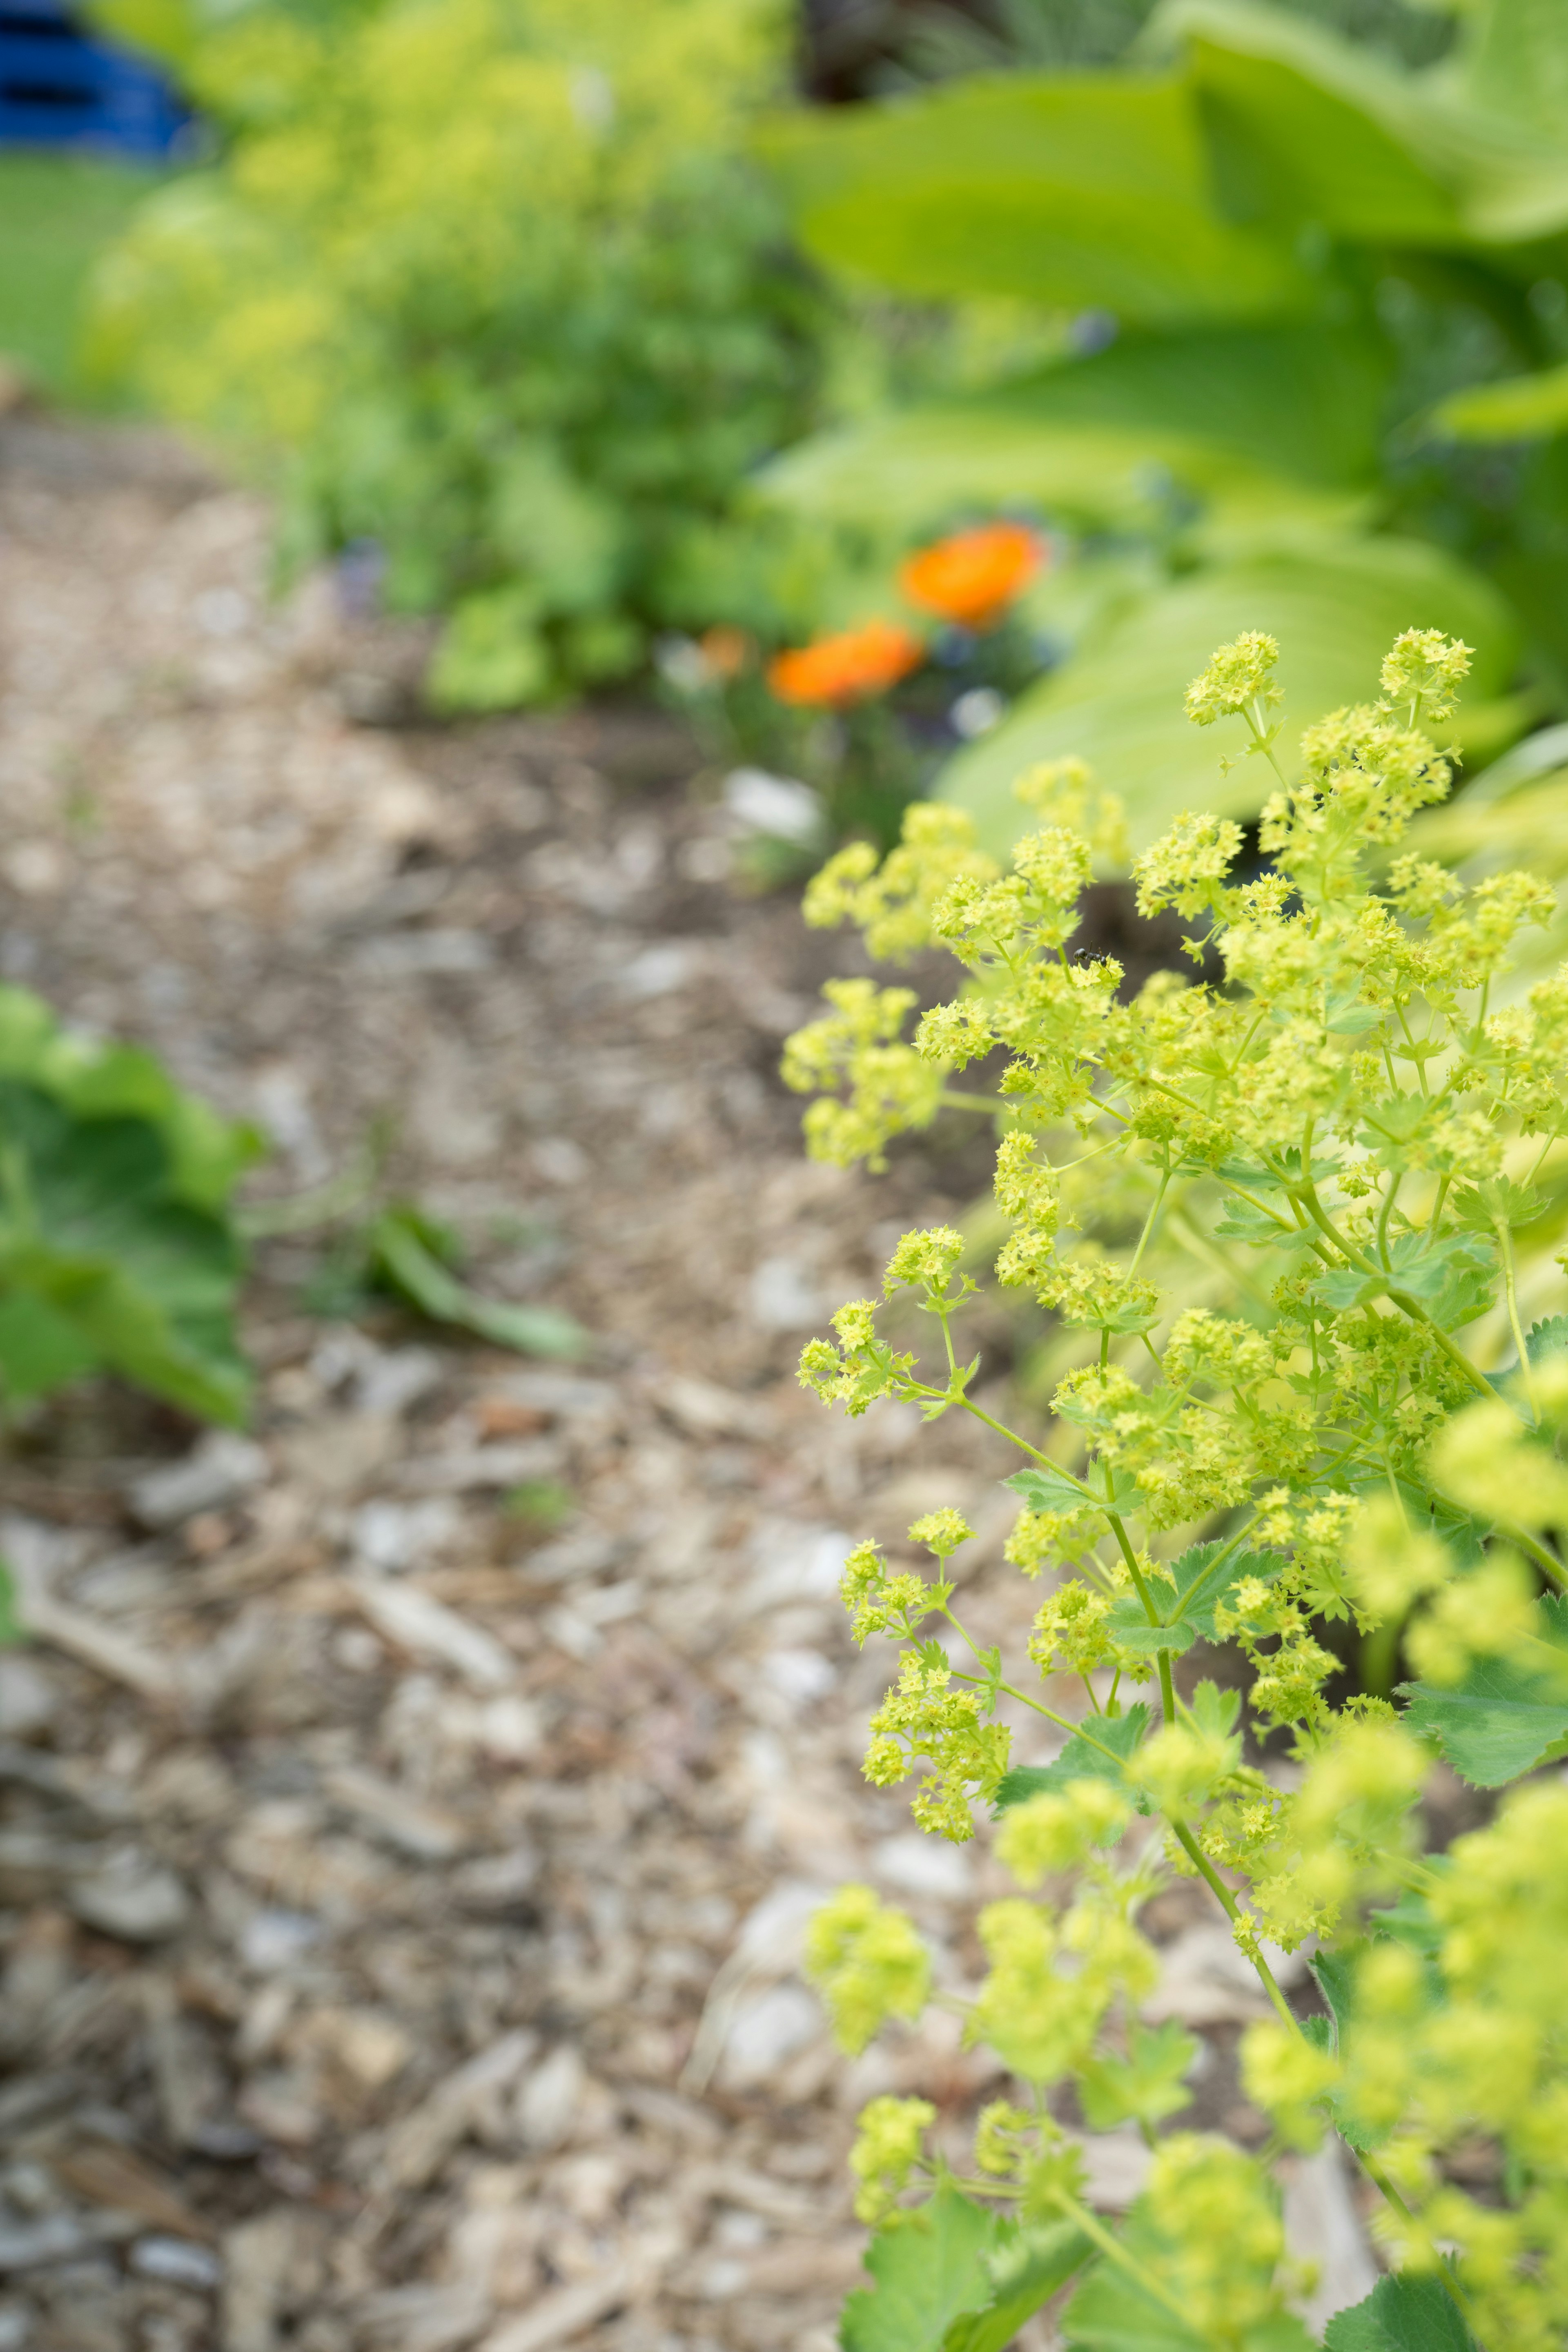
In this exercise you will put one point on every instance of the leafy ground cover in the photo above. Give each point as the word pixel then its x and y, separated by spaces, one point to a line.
pixel 490 293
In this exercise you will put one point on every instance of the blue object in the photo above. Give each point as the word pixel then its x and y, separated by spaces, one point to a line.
pixel 62 87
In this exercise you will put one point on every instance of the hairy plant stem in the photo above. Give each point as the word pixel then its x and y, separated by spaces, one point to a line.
pixel 1111 2247
pixel 1505 1252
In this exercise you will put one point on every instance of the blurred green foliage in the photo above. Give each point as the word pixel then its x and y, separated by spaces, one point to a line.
pixel 56 214
pixel 117 1250
pixel 1321 375
pixel 940 39
pixel 490 283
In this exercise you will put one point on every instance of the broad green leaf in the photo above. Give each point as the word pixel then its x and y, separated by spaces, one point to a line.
pixel 1146 2085
pixel 1518 408
pixel 930 2269
pixel 402 1257
pixel 1119 703
pixel 1097 1750
pixel 12 1630
pixel 1029 2267
pixel 207 1153
pixel 101 1263
pixel 1401 2315
pixel 1267 429
pixel 1515 61
pixel 1307 127
pixel 41 1349
pixel 1509 1714
pixel 1089 189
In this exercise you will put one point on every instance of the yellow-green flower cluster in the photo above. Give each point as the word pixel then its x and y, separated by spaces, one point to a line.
pixel 923 1719
pixel 1290 1209
pixel 891 1087
pixel 1239 679
pixel 881 1602
pixel 886 2151
pixel 868 1964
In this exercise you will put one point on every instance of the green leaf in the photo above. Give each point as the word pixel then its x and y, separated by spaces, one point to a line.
pixel 1048 1489
pixel 930 2269
pixel 1146 2085
pixel 1480 1207
pixel 401 1256
pixel 1131 1629
pixel 1401 2315
pixel 1334 1972
pixel 1453 1276
pixel 101 1264
pixel 1265 427
pixel 1089 189
pixel 491 656
pixel 1119 703
pixel 1243 1223
pixel 1198 1593
pixel 1112 2313
pixel 205 1153
pixel 1548 1338
pixel 1509 1714
pixel 1518 408
pixel 1112 1742
pixel 1305 127
pixel 1029 2266
pixel 1516 61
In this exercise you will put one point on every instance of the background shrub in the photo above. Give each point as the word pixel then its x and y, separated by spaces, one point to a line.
pixel 487 282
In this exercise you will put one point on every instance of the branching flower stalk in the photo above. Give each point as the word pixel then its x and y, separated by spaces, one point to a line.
pixel 1272 1213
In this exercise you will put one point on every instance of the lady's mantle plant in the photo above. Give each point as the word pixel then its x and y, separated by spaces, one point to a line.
pixel 1340 1140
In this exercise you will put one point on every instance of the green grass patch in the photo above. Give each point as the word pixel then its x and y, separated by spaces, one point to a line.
pixel 58 213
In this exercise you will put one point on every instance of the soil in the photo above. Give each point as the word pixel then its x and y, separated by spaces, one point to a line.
pixel 411 1809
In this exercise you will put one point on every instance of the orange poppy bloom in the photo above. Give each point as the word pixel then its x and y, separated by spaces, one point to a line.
pixel 847 667
pixel 973 576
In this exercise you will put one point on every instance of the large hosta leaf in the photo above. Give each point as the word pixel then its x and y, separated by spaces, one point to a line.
pixel 1265 428
pixel 1089 189
pixel 1119 703
pixel 1515 63
pixel 1515 408
pixel 1306 127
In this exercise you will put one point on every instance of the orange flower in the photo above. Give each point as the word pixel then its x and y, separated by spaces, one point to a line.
pixel 848 667
pixel 972 577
